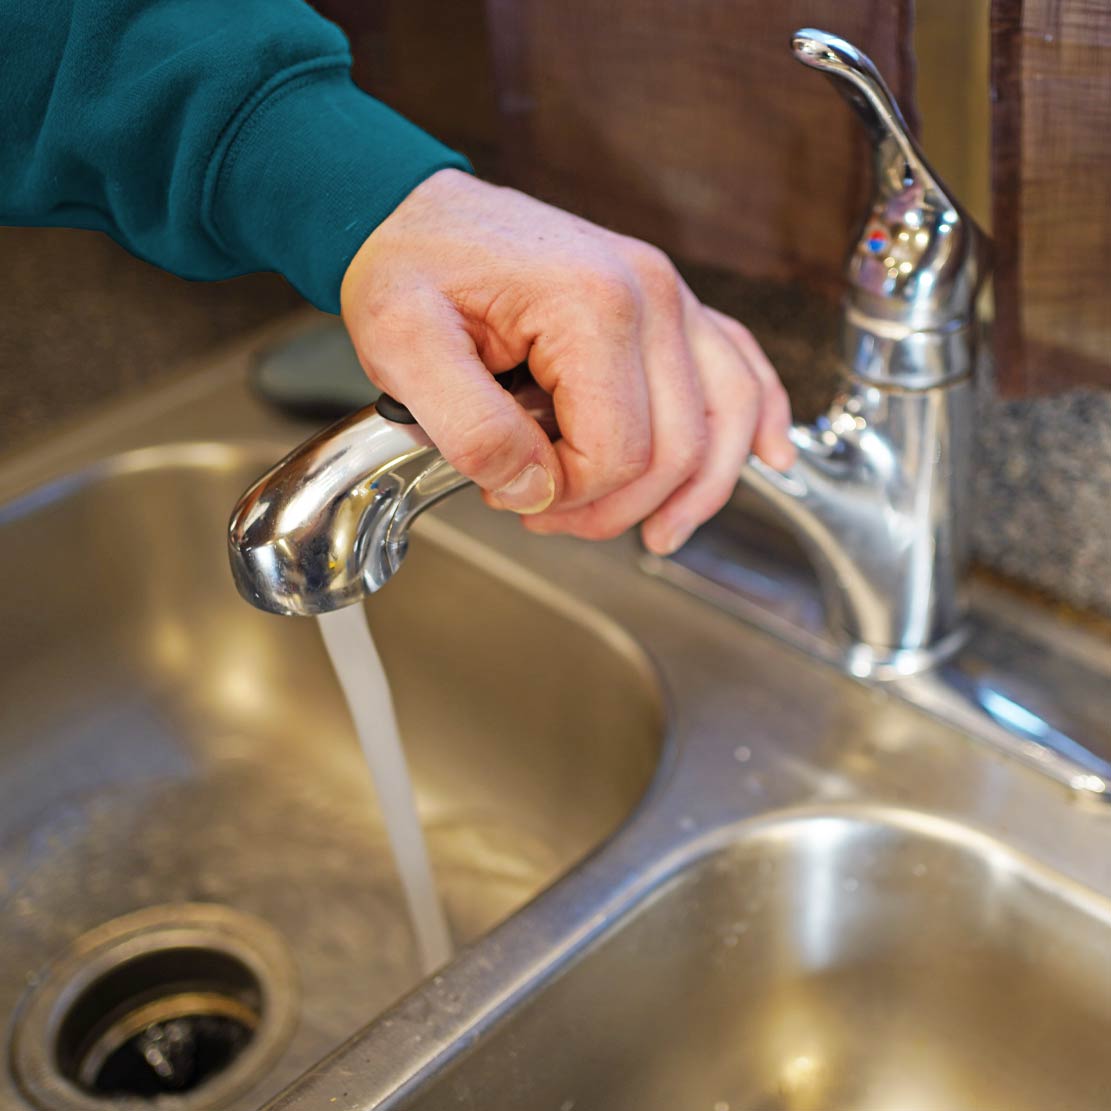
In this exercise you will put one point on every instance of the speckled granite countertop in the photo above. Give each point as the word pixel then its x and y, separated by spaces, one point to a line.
pixel 84 322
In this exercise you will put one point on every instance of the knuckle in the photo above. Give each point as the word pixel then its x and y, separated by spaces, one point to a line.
pixel 655 270
pixel 633 460
pixel 611 292
pixel 775 390
pixel 692 449
pixel 485 448
pixel 742 333
pixel 749 389
pixel 776 403
pixel 733 328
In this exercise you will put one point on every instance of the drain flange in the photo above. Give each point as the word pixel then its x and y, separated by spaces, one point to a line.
pixel 180 1006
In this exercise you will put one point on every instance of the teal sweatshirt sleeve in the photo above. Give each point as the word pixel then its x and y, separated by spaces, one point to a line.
pixel 210 137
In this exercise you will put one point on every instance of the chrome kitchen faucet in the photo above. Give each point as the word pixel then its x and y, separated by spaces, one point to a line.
pixel 878 496
pixel 879 493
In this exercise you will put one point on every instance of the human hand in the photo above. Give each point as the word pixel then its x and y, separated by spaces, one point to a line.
pixel 659 398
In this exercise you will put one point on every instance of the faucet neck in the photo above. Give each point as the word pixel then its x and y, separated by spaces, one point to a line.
pixel 884 353
pixel 878 498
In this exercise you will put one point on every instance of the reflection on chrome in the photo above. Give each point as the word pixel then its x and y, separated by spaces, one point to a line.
pixel 879 495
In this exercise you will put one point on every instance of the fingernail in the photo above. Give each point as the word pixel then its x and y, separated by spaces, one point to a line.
pixel 531 491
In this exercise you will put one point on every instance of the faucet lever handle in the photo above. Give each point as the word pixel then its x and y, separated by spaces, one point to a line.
pixel 919 259
pixel 856 78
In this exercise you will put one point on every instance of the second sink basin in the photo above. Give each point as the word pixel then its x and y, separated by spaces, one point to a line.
pixel 852 962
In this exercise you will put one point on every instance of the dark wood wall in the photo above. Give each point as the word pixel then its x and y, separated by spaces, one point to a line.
pixel 688 123
pixel 1052 192
pixel 432 61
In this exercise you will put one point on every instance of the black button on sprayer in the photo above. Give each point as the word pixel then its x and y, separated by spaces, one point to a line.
pixel 389 408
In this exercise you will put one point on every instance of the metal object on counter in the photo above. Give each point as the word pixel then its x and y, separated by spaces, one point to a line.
pixel 879 497
pixel 330 523
pixel 879 492
pixel 1041 701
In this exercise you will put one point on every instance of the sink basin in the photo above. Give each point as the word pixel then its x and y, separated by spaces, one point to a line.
pixel 821 898
pixel 841 961
pixel 162 744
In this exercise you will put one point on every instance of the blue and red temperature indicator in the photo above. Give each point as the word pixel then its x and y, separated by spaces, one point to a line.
pixel 878 240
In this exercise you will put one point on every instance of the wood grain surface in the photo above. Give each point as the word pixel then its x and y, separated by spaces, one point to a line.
pixel 690 124
pixel 1052 188
pixel 687 122
pixel 431 60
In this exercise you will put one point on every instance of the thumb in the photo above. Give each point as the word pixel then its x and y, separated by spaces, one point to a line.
pixel 478 426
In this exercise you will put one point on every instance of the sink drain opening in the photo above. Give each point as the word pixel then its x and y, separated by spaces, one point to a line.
pixel 177 1006
pixel 164 1022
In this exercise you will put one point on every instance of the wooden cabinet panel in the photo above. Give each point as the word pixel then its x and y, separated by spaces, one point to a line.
pixel 429 59
pixel 1052 186
pixel 690 124
pixel 687 122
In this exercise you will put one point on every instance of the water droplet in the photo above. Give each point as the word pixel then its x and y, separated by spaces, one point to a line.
pixel 721 1105
pixel 730 940
pixel 742 754
pixel 850 884
pixel 920 870
pixel 567 1105
pixel 686 824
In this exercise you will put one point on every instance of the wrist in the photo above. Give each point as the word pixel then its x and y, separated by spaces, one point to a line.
pixel 438 190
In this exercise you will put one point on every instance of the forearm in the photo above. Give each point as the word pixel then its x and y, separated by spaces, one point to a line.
pixel 210 138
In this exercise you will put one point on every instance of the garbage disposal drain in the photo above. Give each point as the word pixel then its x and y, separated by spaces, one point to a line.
pixel 181 1006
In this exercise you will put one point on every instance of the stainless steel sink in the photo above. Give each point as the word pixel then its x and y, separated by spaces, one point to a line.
pixel 813 897
pixel 163 743
pixel 845 961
